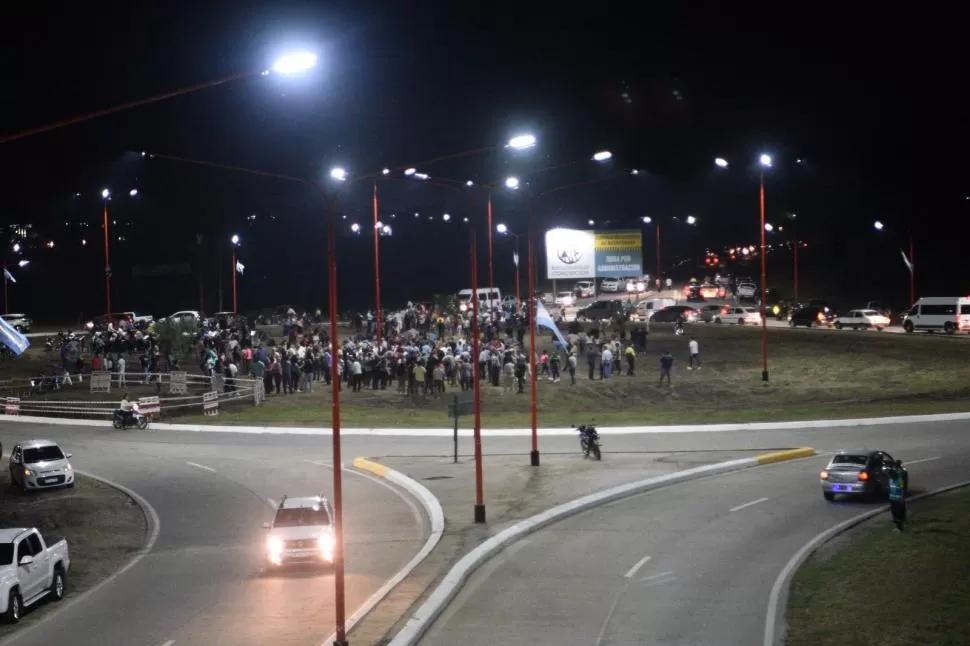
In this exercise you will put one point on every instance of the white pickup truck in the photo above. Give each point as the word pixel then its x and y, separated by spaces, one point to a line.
pixel 30 570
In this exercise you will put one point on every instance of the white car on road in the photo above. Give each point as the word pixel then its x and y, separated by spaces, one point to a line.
pixel 862 320
pixel 740 316
pixel 565 299
pixel 585 289
pixel 610 285
pixel 301 533
pixel 40 464
pixel 30 570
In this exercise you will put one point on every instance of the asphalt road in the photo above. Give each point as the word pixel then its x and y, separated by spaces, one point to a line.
pixel 690 565
pixel 203 583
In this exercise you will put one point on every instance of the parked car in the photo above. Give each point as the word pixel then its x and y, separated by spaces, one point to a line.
pixel 585 289
pixel 812 316
pixel 674 313
pixel 740 316
pixel 20 322
pixel 600 310
pixel 860 472
pixel 636 285
pixel 565 299
pixel 610 285
pixel 712 313
pixel 30 570
pixel 40 464
pixel 947 314
pixel 862 320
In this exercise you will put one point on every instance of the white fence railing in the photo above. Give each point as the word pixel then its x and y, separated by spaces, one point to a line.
pixel 188 401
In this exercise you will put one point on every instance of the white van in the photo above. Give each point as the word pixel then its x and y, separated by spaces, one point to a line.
pixel 945 313
pixel 487 297
pixel 646 309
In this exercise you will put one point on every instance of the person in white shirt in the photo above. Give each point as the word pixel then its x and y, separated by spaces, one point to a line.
pixel 695 354
pixel 125 407
pixel 121 371
pixel 606 361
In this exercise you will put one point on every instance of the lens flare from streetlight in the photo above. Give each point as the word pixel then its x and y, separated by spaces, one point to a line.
pixel 691 219
pixel 105 193
pixel 602 156
pixel 234 239
pixel 512 183
pixel 338 174
pixel 878 225
pixel 720 162
pixel 295 63
pixel 765 160
pixel 521 142
pixel 502 228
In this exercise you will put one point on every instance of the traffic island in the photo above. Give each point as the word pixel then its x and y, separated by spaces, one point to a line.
pixel 876 586
pixel 104 529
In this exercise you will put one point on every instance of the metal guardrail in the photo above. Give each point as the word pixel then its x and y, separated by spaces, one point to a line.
pixel 30 403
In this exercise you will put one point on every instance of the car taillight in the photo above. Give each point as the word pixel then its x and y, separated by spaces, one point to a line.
pixel 863 475
pixel 824 475
pixel 821 317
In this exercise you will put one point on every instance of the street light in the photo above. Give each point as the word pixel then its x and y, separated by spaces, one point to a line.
pixel 769 227
pixel 234 240
pixel 355 227
pixel 105 196
pixel 512 182
pixel 521 142
pixel 691 220
pixel 133 192
pixel 446 217
pixel 603 155
pixel 647 219
pixel 338 174
pixel 295 63
pixel 16 247
pixel 765 161
pixel 720 162
pixel 878 225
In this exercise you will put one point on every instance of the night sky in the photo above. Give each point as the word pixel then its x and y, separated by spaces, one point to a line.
pixel 871 103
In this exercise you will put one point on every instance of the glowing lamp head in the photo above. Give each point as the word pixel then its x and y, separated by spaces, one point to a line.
pixel 355 227
pixel 691 220
pixel 446 217
pixel 602 156
pixel 502 228
pixel 521 142
pixel 410 171
pixel 338 174
pixel 647 219
pixel 769 227
pixel 765 160
pixel 234 239
pixel 720 162
pixel 133 192
pixel 295 63
pixel 512 183
pixel 105 193
pixel 878 225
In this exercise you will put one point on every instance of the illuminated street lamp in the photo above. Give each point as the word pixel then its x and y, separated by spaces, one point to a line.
pixel 133 192
pixel 878 225
pixel 720 162
pixel 16 247
pixel 446 217
pixel 338 174
pixel 769 227
pixel 234 240
pixel 647 219
pixel 521 142
pixel 295 63
pixel 355 227
pixel 764 160
pixel 691 220
pixel 602 156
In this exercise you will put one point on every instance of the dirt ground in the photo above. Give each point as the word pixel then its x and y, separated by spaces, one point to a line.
pixel 104 529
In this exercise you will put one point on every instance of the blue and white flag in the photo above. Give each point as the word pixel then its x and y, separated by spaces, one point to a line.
pixel 240 267
pixel 544 320
pixel 13 339
pixel 909 263
pixel 8 276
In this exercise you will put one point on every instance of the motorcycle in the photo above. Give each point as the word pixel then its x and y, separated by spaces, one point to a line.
pixel 589 441
pixel 136 418
pixel 678 328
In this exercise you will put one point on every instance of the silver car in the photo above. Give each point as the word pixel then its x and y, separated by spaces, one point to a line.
pixel 40 464
pixel 861 473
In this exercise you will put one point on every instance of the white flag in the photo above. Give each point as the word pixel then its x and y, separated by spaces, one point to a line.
pixel 240 267
pixel 8 276
pixel 909 264
pixel 515 258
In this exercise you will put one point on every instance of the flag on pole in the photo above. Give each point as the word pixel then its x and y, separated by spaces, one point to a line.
pixel 10 337
pixel 909 264
pixel 544 320
pixel 515 258
pixel 240 267
pixel 8 276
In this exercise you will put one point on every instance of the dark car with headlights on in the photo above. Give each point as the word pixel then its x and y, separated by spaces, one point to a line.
pixel 674 313
pixel 860 473
pixel 812 316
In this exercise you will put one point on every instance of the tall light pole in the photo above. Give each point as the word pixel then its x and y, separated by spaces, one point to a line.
pixel 505 230
pixel 378 314
pixel 234 241
pixel 105 196
pixel 765 162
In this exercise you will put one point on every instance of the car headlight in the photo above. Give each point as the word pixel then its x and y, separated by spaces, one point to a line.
pixel 28 473
pixel 326 544
pixel 68 467
pixel 274 546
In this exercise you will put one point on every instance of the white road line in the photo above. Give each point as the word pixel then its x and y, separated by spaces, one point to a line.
pixel 272 503
pixel 633 570
pixel 169 642
pixel 666 579
pixel 747 504
pixel 922 460
pixel 654 577
pixel 201 466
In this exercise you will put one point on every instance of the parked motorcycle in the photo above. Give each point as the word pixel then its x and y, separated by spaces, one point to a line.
pixel 589 441
pixel 135 418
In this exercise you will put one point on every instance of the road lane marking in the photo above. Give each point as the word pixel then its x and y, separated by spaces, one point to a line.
pixel 201 466
pixel 169 642
pixel 272 503
pixel 748 504
pixel 633 570
pixel 656 577
pixel 922 460
pixel 666 579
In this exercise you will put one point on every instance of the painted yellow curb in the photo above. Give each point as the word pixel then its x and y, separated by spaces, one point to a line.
pixel 372 467
pixel 781 456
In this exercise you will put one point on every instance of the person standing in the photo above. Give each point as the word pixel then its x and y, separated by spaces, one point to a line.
pixel 695 354
pixel 666 363
pixel 897 495
pixel 606 363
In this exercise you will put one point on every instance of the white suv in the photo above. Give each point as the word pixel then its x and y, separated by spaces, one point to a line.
pixel 301 532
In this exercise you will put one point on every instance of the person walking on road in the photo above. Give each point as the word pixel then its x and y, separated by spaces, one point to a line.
pixel 666 363
pixel 695 354
pixel 897 496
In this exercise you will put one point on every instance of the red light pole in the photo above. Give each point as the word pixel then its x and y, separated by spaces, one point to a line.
pixel 477 429
pixel 378 315
pixel 765 161
pixel 533 412
pixel 659 277
pixel 491 275
pixel 234 241
pixel 105 194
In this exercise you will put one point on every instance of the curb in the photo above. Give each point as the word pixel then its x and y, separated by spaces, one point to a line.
pixel 775 626
pixel 451 584
pixel 154 528
pixel 436 516
pixel 511 432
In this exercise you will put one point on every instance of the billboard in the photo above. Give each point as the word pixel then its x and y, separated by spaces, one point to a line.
pixel 619 254
pixel 576 253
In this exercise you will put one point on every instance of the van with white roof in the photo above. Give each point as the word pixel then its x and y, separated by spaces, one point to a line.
pixel 948 314
pixel 489 297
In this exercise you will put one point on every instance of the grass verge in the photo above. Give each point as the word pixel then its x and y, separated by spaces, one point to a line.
pixel 104 529
pixel 889 589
